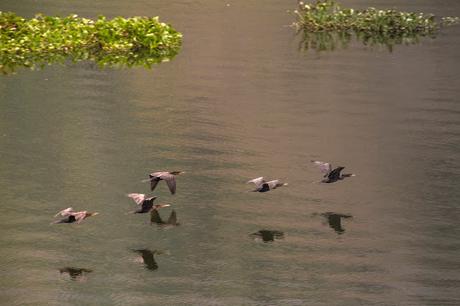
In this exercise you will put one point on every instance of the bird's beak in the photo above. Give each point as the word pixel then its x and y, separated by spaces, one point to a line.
pixel 94 214
pixel 165 205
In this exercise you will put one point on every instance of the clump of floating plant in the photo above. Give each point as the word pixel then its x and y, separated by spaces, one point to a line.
pixel 136 41
pixel 326 25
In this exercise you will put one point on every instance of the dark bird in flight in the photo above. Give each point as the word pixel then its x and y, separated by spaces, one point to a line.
pixel 144 204
pixel 168 177
pixel 264 186
pixel 74 273
pixel 331 175
pixel 147 258
pixel 335 221
pixel 268 235
pixel 155 216
pixel 71 216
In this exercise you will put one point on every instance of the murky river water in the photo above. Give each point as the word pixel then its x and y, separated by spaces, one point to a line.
pixel 238 102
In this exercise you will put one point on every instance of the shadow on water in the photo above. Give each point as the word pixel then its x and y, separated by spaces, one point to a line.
pixel 268 235
pixel 334 221
pixel 156 219
pixel 148 258
pixel 330 41
pixel 75 273
pixel 144 59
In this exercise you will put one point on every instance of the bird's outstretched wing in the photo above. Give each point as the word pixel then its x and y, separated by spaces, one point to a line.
pixel 153 183
pixel 273 184
pixel 137 197
pixel 335 174
pixel 172 218
pixel 65 212
pixel 79 216
pixel 170 180
pixel 155 217
pixel 323 167
pixel 257 181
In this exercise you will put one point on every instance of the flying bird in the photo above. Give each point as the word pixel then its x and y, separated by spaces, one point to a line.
pixel 331 175
pixel 268 235
pixel 144 204
pixel 155 216
pixel 75 273
pixel 264 186
pixel 71 216
pixel 168 177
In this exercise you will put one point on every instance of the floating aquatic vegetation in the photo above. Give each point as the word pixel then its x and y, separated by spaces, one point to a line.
pixel 325 25
pixel 136 41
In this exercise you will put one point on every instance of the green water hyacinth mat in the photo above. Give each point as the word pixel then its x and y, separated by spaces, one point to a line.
pixel 325 24
pixel 121 42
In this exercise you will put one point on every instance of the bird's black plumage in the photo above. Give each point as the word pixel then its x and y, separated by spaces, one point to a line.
pixel 334 175
pixel 69 219
pixel 145 206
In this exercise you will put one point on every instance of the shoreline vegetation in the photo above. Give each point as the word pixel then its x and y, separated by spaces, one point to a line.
pixel 325 25
pixel 119 42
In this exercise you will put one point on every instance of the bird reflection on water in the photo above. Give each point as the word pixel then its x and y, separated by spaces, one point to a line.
pixel 148 258
pixel 156 219
pixel 268 235
pixel 335 221
pixel 75 273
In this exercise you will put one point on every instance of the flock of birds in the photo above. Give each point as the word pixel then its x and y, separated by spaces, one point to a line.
pixel 146 205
